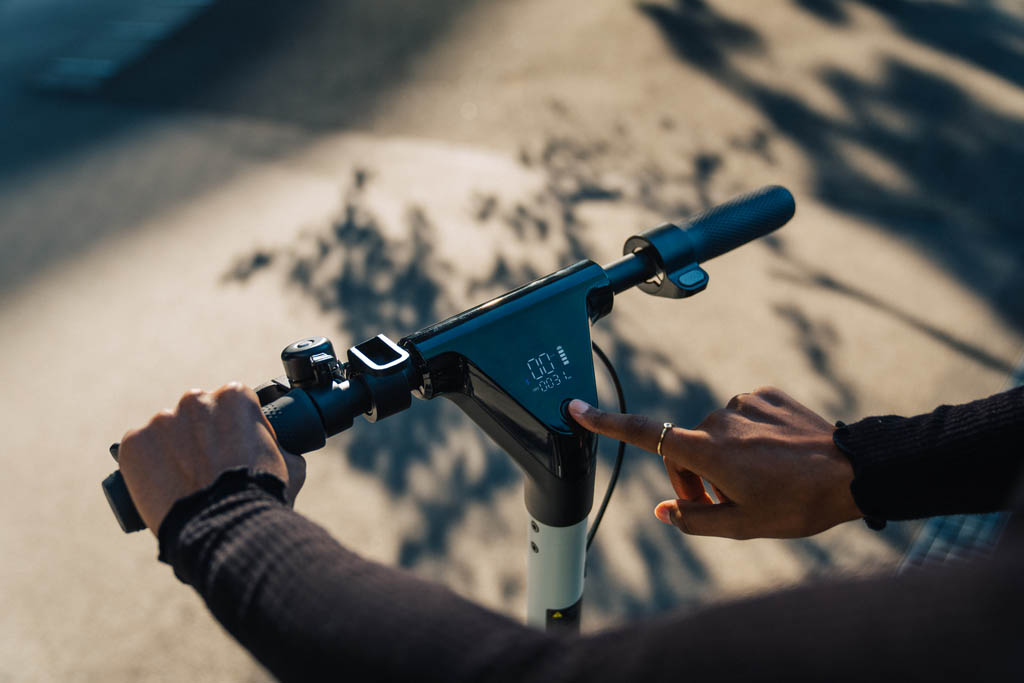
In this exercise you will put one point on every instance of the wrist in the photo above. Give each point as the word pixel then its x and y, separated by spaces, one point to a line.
pixel 850 502
pixel 846 508
pixel 228 483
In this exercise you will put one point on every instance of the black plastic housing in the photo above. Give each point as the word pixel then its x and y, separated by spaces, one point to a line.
pixel 511 364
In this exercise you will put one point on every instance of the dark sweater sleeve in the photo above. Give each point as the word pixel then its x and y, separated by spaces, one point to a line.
pixel 956 459
pixel 310 610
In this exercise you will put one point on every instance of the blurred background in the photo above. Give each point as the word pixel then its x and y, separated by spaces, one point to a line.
pixel 188 186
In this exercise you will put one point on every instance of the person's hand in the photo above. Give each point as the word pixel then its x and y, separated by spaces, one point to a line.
pixel 183 450
pixel 771 461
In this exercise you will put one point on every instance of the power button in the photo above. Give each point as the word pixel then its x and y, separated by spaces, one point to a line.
pixel 564 409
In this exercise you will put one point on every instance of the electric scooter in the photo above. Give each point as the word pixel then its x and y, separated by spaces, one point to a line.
pixel 512 364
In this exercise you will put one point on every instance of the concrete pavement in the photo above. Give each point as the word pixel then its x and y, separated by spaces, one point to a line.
pixel 511 140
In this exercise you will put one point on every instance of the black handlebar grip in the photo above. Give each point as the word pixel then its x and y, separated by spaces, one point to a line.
pixel 738 221
pixel 121 503
pixel 296 423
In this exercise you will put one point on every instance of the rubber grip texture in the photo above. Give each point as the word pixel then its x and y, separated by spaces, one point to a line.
pixel 739 220
pixel 296 422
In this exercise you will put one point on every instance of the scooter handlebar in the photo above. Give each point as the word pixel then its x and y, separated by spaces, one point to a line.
pixel 738 221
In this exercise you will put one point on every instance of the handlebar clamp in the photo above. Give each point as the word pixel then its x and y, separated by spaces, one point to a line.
pixel 679 275
pixel 387 371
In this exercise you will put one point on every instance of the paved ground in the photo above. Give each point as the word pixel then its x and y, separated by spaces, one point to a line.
pixel 202 210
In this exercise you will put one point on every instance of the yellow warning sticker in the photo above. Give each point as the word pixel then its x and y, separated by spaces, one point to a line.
pixel 556 615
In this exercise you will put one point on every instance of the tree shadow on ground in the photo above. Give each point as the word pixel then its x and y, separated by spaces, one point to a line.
pixel 801 272
pixel 818 339
pixel 985 34
pixel 356 269
pixel 913 120
pixel 914 153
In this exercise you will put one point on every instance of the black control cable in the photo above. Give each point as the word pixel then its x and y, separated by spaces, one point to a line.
pixel 622 446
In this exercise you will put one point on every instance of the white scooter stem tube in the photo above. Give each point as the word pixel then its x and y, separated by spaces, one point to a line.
pixel 554 575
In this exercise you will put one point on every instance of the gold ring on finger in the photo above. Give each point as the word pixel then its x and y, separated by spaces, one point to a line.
pixel 661 439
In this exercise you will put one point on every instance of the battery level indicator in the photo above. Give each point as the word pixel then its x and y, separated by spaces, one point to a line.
pixel 561 354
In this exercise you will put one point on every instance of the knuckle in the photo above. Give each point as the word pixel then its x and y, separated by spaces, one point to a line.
pixel 736 401
pixel 233 392
pixel 635 424
pixel 715 419
pixel 758 402
pixel 191 399
pixel 163 418
pixel 771 394
pixel 231 389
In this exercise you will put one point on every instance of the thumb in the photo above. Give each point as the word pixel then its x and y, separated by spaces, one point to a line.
pixel 700 519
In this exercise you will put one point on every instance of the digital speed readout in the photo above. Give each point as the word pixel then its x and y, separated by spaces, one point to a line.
pixel 547 370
